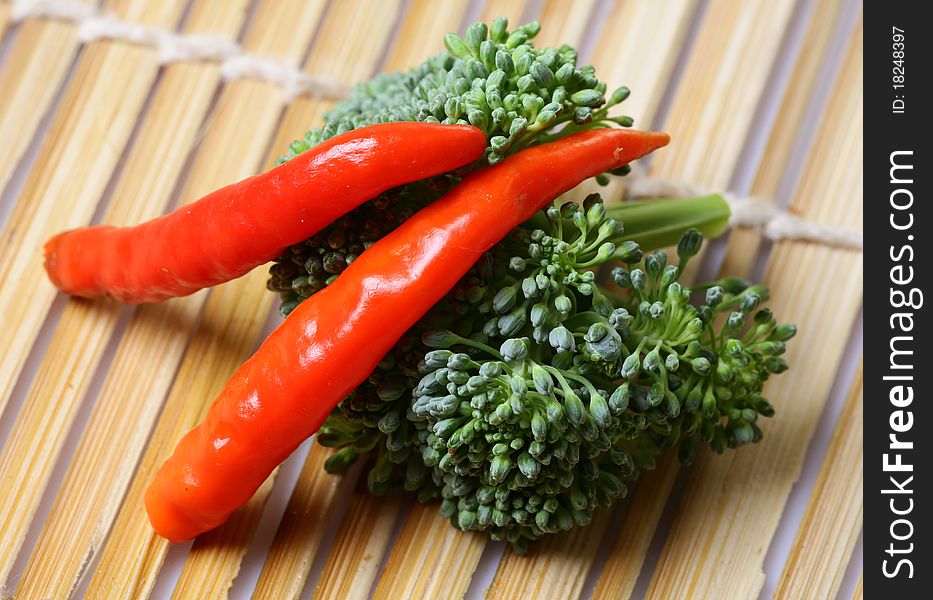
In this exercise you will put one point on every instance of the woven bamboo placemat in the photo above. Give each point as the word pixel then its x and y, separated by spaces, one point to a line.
pixel 761 97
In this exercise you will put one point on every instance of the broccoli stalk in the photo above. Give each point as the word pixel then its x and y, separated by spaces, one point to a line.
pixel 532 394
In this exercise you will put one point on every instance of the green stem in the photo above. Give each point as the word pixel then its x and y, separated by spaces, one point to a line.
pixel 660 223
pixel 580 379
pixel 478 345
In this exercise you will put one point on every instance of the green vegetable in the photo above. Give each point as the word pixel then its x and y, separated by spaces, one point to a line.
pixel 550 390
pixel 493 79
pixel 536 391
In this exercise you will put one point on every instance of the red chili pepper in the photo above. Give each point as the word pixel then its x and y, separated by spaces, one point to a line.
pixel 333 341
pixel 236 228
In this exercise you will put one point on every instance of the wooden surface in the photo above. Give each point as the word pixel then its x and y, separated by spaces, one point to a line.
pixel 834 514
pixel 5 9
pixel 746 491
pixel 93 396
pixel 152 167
pixel 42 52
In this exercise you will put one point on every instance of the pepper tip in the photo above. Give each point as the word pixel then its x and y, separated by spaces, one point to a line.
pixel 167 519
pixel 659 139
pixel 50 259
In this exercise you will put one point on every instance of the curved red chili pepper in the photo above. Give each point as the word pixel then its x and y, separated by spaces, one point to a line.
pixel 236 228
pixel 332 341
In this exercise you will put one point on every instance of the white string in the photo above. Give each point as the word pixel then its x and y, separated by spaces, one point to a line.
pixel 773 223
pixel 293 81
pixel 175 47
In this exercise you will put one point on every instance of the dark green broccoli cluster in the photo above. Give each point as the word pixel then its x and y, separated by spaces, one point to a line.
pixel 491 78
pixel 530 437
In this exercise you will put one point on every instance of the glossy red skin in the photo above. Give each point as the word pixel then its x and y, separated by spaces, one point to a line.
pixel 229 232
pixel 332 341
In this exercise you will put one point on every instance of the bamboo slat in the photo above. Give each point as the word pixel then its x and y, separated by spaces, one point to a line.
pixel 30 76
pixel 4 22
pixel 638 46
pixel 565 21
pixel 245 117
pixel 213 552
pixel 438 565
pixel 627 556
pixel 857 594
pixel 557 566
pixel 145 186
pixel 732 504
pixel 716 55
pixel 32 448
pixel 620 59
pixel 412 42
pixel 133 554
pixel 724 116
pixel 721 87
pixel 363 539
pixel 85 141
pixel 831 525
pixel 513 10
pixel 744 243
pixel 301 515
pixel 292 553
pixel 216 556
pixel 624 562
pixel 107 454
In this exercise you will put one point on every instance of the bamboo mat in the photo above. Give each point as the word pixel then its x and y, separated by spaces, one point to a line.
pixel 760 96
